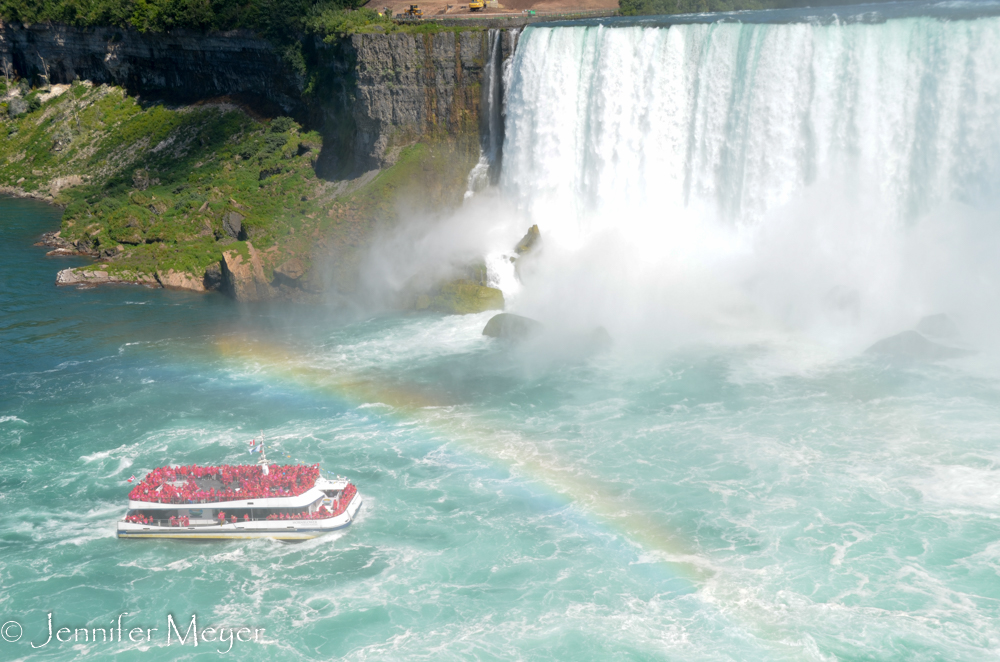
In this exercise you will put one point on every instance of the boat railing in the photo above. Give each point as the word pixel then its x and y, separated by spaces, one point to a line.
pixel 337 507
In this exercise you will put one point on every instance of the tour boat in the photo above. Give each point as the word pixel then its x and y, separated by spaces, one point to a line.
pixel 292 502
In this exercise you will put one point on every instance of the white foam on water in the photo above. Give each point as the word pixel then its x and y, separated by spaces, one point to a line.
pixel 503 276
pixel 420 339
pixel 961 486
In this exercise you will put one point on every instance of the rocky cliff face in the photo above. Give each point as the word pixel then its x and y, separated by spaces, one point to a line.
pixel 182 65
pixel 374 93
pixel 370 95
pixel 385 91
pixel 244 279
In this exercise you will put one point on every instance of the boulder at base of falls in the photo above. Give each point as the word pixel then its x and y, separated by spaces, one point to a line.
pixel 511 327
pixel 938 326
pixel 526 249
pixel 528 240
pixel 462 297
pixel 912 346
pixel 599 339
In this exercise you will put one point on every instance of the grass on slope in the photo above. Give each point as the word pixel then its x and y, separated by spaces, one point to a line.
pixel 150 188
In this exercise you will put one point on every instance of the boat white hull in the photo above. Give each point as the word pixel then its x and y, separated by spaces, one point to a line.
pixel 304 529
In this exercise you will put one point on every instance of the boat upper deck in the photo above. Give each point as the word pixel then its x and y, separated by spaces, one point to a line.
pixel 195 484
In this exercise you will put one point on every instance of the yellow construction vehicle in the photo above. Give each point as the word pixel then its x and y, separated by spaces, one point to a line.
pixel 477 5
pixel 413 12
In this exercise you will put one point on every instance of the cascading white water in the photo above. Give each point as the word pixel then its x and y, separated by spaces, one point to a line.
pixel 496 73
pixel 492 106
pixel 496 77
pixel 770 168
pixel 740 117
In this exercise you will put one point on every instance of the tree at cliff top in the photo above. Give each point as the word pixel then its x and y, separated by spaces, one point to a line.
pixel 272 18
pixel 156 189
pixel 282 22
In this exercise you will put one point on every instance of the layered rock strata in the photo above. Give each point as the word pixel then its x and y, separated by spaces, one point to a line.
pixel 185 65
pixel 373 93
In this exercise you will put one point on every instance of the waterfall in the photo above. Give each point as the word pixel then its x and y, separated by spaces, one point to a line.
pixel 485 174
pixel 758 165
pixel 501 44
pixel 741 116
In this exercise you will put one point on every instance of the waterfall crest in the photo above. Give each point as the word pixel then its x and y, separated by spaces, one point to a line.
pixel 738 117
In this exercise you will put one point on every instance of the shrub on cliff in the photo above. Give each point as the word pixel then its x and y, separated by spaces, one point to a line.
pixel 282 124
pixel 275 19
pixel 128 224
pixel 332 22
pixel 16 107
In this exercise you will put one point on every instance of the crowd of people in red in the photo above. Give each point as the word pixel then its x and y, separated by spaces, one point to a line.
pixel 345 499
pixel 139 519
pixel 322 513
pixel 291 480
pixel 339 506
pixel 148 519
pixel 241 482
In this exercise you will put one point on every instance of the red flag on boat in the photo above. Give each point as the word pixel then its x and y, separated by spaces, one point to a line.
pixel 132 479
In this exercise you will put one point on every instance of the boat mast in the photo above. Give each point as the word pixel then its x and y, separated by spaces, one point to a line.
pixel 263 457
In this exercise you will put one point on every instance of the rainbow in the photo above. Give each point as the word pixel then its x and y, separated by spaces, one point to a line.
pixel 618 514
pixel 515 453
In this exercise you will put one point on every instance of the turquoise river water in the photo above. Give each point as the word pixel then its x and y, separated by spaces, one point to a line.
pixel 734 479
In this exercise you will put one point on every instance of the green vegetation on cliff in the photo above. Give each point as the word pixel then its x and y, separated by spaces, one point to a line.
pixel 280 21
pixel 155 188
pixel 272 18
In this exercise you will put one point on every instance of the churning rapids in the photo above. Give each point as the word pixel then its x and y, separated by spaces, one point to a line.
pixel 745 207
